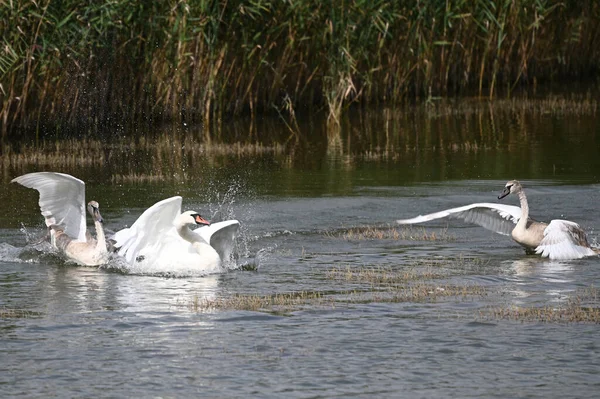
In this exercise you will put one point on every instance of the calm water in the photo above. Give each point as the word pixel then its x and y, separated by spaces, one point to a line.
pixel 70 331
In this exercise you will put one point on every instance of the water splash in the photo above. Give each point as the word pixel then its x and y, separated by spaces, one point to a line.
pixel 39 253
pixel 232 198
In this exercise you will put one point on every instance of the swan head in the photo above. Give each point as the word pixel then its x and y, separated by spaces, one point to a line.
pixel 192 218
pixel 511 187
pixel 94 209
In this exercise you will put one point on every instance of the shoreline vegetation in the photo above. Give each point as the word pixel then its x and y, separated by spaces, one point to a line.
pixel 87 65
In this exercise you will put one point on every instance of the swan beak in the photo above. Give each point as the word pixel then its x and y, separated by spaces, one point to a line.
pixel 98 216
pixel 200 220
pixel 504 193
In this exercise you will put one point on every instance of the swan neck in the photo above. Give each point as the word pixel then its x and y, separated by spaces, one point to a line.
pixel 101 240
pixel 524 208
pixel 186 233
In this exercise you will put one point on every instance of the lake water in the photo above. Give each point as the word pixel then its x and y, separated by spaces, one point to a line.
pixel 317 207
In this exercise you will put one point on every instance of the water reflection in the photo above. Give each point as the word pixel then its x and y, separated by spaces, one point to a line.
pixel 453 140
pixel 537 266
pixel 541 280
pixel 139 332
pixel 62 287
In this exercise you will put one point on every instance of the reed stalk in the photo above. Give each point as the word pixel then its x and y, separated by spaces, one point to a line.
pixel 102 66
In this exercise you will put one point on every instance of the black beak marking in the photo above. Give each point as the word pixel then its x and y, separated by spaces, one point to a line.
pixel 505 192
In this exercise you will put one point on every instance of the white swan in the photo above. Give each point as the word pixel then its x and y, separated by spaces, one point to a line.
pixel 161 240
pixel 62 202
pixel 561 239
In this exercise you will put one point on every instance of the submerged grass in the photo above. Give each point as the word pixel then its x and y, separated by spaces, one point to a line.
pixel 287 302
pixel 418 269
pixel 275 302
pixel 6 313
pixel 382 276
pixel 583 307
pixel 426 292
pixel 74 63
pixel 393 233
pixel 379 285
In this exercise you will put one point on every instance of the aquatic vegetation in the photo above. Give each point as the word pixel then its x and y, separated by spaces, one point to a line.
pixel 456 265
pixel 92 64
pixel 382 275
pixel 582 307
pixel 392 233
pixel 6 313
pixel 417 269
pixel 287 302
pixel 383 284
pixel 275 302
pixel 426 292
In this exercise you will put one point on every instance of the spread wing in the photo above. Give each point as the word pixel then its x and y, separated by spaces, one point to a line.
pixel 149 229
pixel 496 217
pixel 62 200
pixel 220 236
pixel 564 240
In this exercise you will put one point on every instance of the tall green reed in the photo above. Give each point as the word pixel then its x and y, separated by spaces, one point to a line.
pixel 93 65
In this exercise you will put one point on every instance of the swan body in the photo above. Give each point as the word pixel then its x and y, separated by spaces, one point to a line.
pixel 161 240
pixel 62 203
pixel 560 239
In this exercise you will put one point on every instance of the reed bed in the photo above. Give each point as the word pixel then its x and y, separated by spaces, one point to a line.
pixel 70 64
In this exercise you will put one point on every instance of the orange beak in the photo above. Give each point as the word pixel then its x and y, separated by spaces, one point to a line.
pixel 200 220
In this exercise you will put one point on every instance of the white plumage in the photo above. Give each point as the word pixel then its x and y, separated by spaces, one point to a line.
pixel 161 240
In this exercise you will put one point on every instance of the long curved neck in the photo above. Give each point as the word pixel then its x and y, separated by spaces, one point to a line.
pixel 101 240
pixel 524 209
pixel 186 233
pixel 197 242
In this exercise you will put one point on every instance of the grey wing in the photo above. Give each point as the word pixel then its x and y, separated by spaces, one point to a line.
pixel 499 218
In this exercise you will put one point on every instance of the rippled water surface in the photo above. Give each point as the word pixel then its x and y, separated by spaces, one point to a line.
pixel 312 212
